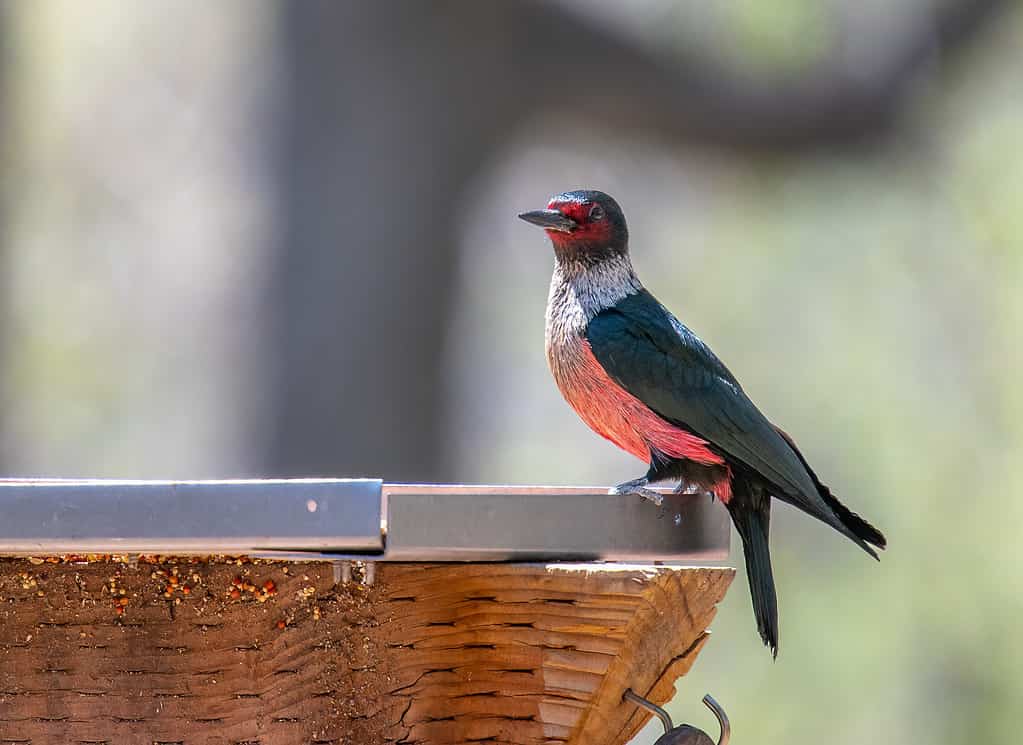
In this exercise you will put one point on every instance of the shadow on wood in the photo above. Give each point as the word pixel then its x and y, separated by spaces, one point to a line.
pixel 214 652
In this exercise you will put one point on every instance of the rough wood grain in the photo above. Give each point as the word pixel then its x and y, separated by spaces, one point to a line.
pixel 277 654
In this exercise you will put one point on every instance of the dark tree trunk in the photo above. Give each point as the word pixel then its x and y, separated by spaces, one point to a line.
pixel 389 109
pixel 382 129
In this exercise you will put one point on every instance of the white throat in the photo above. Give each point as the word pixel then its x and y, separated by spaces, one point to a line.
pixel 579 292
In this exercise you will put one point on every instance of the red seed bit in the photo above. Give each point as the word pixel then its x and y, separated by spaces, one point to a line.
pixel 186 589
pixel 235 594
pixel 237 581
pixel 119 610
pixel 282 624
pixel 269 587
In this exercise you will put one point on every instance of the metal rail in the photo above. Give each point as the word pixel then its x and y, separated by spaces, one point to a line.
pixel 355 518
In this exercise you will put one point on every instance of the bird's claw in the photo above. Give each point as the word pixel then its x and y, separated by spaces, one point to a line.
pixel 623 490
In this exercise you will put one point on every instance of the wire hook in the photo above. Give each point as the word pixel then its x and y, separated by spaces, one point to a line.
pixel 726 727
pixel 650 706
pixel 709 702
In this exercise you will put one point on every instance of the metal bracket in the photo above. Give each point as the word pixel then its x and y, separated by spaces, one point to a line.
pixel 333 519
pixel 536 523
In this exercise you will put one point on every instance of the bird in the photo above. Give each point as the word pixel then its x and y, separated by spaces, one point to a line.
pixel 640 378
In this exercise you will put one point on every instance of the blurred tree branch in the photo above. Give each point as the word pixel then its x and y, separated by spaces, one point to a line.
pixel 388 110
pixel 828 103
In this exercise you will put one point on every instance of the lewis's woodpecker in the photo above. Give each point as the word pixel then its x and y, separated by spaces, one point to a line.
pixel 644 381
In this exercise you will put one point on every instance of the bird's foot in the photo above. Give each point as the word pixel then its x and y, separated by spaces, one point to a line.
pixel 637 487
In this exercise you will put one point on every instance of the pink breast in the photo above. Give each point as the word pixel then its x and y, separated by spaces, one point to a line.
pixel 617 415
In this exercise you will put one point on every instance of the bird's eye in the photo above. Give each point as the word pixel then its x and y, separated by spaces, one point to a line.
pixel 596 212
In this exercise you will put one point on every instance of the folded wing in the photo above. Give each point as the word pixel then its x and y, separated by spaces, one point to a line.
pixel 653 356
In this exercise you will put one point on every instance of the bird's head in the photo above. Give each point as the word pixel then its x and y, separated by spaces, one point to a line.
pixel 584 226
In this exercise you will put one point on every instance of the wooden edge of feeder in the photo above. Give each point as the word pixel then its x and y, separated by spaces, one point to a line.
pixel 662 641
pixel 278 653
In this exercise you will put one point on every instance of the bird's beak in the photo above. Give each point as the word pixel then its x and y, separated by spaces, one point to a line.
pixel 550 220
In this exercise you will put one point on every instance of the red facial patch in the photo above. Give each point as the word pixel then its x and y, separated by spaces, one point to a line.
pixel 586 228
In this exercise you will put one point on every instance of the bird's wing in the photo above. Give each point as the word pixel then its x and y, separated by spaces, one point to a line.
pixel 648 352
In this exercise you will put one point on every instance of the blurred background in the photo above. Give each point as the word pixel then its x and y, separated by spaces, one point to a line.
pixel 260 239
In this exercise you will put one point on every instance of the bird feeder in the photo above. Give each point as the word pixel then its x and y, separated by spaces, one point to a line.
pixel 346 611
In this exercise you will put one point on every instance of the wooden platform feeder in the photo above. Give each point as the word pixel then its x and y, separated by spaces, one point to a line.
pixel 124 620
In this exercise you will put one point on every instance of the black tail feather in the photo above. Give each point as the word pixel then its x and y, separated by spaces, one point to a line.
pixel 856 527
pixel 860 527
pixel 752 519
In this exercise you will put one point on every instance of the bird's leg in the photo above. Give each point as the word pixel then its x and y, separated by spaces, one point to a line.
pixel 637 487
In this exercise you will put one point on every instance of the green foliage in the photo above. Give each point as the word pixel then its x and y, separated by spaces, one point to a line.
pixel 878 318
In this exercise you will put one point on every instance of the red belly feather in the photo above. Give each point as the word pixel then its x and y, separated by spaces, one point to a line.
pixel 617 415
